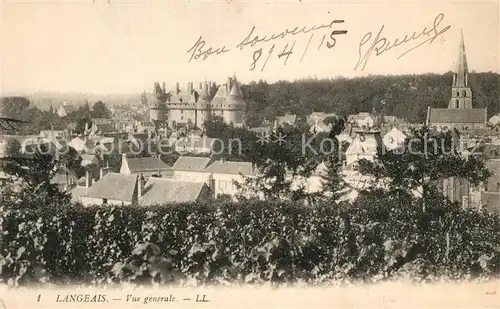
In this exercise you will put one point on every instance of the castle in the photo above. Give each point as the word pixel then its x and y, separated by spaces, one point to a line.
pixel 181 107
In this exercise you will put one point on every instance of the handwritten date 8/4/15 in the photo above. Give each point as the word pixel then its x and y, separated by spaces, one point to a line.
pixel 200 50
pixel 288 50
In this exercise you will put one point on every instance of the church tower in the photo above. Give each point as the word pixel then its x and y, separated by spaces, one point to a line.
pixel 461 93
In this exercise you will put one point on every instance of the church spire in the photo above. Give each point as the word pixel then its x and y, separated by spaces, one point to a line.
pixel 461 93
pixel 462 73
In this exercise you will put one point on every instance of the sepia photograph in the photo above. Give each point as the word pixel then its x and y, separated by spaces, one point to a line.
pixel 249 154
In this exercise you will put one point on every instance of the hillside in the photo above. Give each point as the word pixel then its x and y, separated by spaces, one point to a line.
pixel 406 96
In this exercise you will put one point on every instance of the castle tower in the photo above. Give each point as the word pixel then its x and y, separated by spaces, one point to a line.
pixel 461 93
pixel 234 109
pixel 203 105
pixel 157 109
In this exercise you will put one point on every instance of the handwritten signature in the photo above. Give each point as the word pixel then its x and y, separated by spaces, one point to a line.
pixel 199 51
pixel 382 44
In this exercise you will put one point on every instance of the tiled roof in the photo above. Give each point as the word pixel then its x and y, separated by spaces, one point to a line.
pixel 77 192
pixel 101 120
pixel 230 167
pixel 105 127
pixel 161 190
pixel 204 142
pixel 88 157
pixel 63 175
pixel 114 186
pixel 147 164
pixel 286 118
pixel 457 115
pixel 194 164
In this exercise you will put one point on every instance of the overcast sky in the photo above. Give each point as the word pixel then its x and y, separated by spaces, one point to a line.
pixel 123 47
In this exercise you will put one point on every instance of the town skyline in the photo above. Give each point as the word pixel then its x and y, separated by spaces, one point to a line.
pixel 123 48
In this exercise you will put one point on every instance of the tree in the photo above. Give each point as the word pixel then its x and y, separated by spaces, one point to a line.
pixel 99 110
pixel 424 160
pixel 333 184
pixel 34 175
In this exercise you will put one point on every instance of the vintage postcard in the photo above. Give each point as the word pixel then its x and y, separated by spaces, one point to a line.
pixel 249 154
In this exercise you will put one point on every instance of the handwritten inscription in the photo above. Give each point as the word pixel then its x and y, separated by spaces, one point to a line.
pixel 380 44
pixel 261 55
pixel 198 52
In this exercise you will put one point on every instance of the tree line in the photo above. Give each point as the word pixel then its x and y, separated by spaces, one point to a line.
pixel 405 96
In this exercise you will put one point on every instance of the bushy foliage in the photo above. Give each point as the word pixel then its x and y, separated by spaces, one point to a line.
pixel 251 243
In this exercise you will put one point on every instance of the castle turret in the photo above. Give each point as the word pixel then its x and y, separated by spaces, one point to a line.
pixel 157 108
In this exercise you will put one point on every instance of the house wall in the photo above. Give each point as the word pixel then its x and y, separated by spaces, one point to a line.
pixel 224 183
pixel 191 176
pixel 89 201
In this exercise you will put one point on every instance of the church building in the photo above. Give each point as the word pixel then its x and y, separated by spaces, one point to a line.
pixel 460 113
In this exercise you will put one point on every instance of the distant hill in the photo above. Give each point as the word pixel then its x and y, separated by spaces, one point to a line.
pixel 405 96
pixel 44 100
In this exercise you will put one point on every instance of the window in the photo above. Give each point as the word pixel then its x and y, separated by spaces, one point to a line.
pixel 471 198
pixel 182 111
pixel 456 104
pixel 498 186
pixel 104 201
pixel 465 93
pixel 458 93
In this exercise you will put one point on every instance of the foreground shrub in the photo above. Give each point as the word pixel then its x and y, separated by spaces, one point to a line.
pixel 251 242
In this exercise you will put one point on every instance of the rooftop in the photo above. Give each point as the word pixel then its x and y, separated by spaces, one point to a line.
pixel 161 190
pixel 230 167
pixel 147 164
pixel 113 186
pixel 194 164
pixel 457 115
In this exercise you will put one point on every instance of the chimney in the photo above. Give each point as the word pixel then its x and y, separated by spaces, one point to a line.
pixel 201 86
pixel 140 185
pixel 177 90
pixel 164 88
pixel 190 87
pixel 229 84
pixel 104 171
pixel 204 89
pixel 88 178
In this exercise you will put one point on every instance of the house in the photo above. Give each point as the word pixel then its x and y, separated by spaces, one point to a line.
pixel 188 168
pixel 316 117
pixel 82 144
pixel 112 189
pixel 364 146
pixel 65 109
pixel 362 120
pixel 223 174
pixel 490 198
pixel 52 134
pixel 89 159
pixel 145 126
pixel 495 120
pixel 161 190
pixel 288 119
pixel 319 127
pixel 394 139
pixel 147 166
pixel 195 145
pixel 82 186
pixel 64 178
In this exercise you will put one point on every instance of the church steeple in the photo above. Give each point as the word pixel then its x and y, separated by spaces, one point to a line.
pixel 461 93
pixel 462 70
